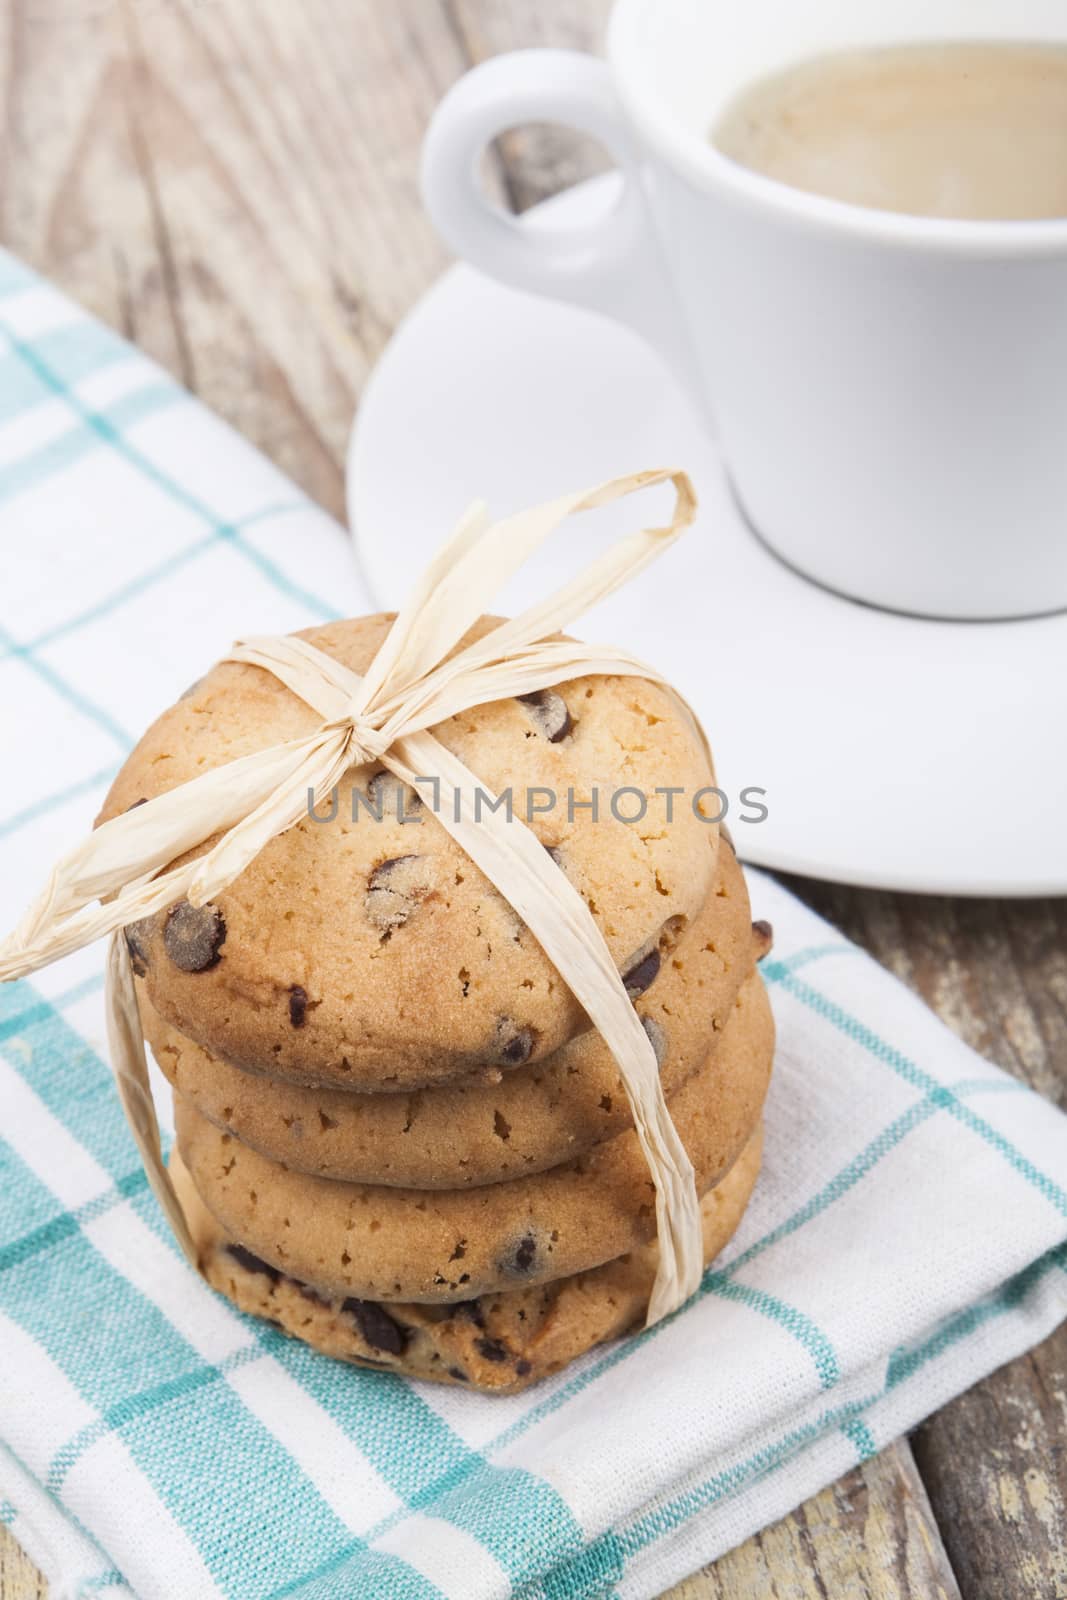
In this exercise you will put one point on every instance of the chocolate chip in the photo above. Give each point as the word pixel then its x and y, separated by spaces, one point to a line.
pixel 492 1349
pixel 377 790
pixel 137 936
pixel 377 1326
pixel 524 1255
pixel 193 936
pixel 549 713
pixel 523 1367
pixel 245 1258
pixel 514 1045
pixel 642 974
pixel 395 888
pixel 298 1005
pixel 460 1376
pixel 388 796
pixel 554 851
pixel 763 938
pixel 142 802
pixel 520 1261
pixel 657 1038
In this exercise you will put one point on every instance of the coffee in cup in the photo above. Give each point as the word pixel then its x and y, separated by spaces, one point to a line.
pixel 963 129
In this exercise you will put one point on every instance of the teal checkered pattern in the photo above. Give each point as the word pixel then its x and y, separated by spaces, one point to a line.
pixel 908 1233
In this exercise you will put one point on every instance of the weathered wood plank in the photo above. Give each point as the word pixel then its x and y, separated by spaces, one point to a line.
pixel 279 141
pixel 72 197
pixel 540 160
pixel 995 1464
pixel 869 1537
pixel 19 1578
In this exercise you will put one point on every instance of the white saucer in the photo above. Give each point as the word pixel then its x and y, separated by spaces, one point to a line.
pixel 895 752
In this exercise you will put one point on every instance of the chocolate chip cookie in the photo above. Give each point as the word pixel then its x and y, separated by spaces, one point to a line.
pixel 363 948
pixel 536 1117
pixel 373 1242
pixel 500 1343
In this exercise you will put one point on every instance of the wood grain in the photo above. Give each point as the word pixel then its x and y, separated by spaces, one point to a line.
pixel 19 1578
pixel 232 184
pixel 869 1537
pixel 536 161
pixel 995 1463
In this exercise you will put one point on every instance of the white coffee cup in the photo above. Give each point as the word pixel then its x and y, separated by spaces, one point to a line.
pixel 889 392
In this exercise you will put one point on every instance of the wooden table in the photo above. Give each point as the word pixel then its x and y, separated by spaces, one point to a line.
pixel 232 184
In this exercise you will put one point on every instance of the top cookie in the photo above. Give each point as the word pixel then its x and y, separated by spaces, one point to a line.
pixel 374 953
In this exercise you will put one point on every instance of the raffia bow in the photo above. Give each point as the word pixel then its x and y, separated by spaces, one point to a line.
pixel 413 683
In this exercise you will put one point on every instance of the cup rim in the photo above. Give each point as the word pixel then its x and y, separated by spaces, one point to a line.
pixel 701 163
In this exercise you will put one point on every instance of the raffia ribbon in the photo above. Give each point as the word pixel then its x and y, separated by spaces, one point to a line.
pixel 121 872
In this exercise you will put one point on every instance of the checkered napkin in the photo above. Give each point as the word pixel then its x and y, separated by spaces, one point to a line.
pixel 908 1233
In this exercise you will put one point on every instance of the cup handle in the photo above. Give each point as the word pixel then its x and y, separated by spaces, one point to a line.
pixel 613 265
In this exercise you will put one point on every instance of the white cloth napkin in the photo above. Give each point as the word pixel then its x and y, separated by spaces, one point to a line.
pixel 907 1235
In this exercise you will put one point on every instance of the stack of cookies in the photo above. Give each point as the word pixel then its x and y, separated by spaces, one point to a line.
pixel 398 1136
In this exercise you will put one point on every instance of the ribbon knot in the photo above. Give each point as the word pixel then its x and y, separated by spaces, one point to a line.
pixel 422 674
pixel 367 743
